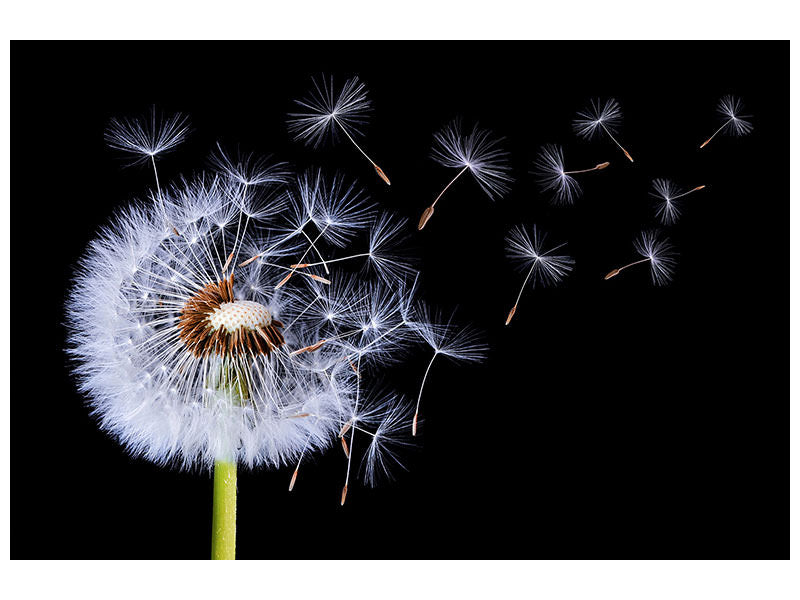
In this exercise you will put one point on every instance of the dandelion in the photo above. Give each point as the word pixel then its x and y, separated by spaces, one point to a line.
pixel 544 267
pixel 457 343
pixel 600 117
pixel 146 138
pixel 196 350
pixel 667 194
pixel 733 121
pixel 248 169
pixel 658 252
pixel 328 110
pixel 479 153
pixel 550 173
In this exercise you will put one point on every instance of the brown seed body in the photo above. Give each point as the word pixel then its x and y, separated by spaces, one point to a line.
pixel 426 216
pixel 197 331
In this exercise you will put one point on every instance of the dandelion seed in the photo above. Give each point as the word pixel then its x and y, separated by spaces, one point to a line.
pixel 146 138
pixel 479 153
pixel 733 121
pixel 658 252
pixel 328 109
pixel 249 169
pixel 457 343
pixel 667 194
pixel 551 176
pixel 544 267
pixel 600 117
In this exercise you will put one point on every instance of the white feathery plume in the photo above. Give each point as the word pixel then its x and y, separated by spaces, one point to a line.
pixel 445 338
pixel 551 176
pixel 667 194
pixel 327 110
pixel 146 138
pixel 477 152
pixel 387 235
pixel 191 356
pixel 248 169
pixel 733 121
pixel 544 267
pixel 658 252
pixel 388 437
pixel 600 117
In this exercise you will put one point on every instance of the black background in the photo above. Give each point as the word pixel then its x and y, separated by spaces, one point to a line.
pixel 613 419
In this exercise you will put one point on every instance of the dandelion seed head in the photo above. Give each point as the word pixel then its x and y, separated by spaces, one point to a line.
pixel 661 254
pixel 388 234
pixel 448 338
pixel 550 175
pixel 477 151
pixel 730 109
pixel 527 249
pixel 328 107
pixel 667 207
pixel 600 115
pixel 249 169
pixel 146 137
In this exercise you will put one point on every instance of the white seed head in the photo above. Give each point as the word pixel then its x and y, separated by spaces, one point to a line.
pixel 730 109
pixel 327 108
pixel 600 116
pixel 661 254
pixel 528 251
pixel 479 152
pixel 146 137
pixel 550 175
pixel 667 207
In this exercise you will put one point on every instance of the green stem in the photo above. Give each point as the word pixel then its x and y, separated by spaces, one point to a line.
pixel 223 527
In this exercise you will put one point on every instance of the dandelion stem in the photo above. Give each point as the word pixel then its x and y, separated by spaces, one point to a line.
pixel 223 527
pixel 419 397
pixel 155 172
pixel 699 187
pixel 448 185
pixel 704 144
pixel 428 213
pixel 616 272
pixel 333 260
pixel 380 172
pixel 522 289
pixel 595 168
pixel 630 158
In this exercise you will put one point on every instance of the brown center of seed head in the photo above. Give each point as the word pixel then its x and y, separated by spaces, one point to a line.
pixel 213 321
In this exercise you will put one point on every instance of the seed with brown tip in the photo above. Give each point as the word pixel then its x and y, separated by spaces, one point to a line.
pixel 426 216
pixel 611 274
pixel 345 448
pixel 511 314
pixel 381 174
pixel 344 494
pixel 284 280
pixel 227 262
pixel 294 478
pixel 249 260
